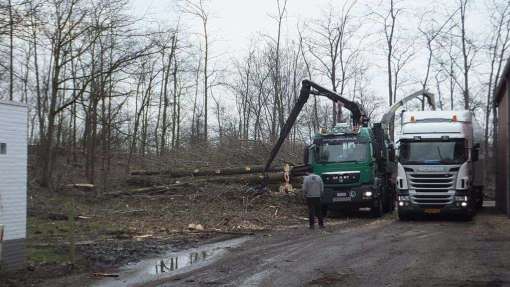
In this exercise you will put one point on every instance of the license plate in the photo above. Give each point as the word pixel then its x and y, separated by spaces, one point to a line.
pixel 340 199
pixel 432 210
pixel 341 194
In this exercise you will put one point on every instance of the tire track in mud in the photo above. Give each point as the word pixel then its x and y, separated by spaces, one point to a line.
pixel 262 254
pixel 365 252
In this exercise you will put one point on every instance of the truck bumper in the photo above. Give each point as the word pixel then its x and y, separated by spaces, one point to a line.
pixel 460 202
pixel 451 209
pixel 356 197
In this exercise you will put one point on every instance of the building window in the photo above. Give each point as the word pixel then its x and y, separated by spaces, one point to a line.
pixel 3 148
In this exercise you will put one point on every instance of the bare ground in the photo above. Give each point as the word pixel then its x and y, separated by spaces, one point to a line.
pixel 364 252
pixel 110 231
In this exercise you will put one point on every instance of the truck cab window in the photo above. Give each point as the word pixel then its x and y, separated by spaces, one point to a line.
pixel 343 151
pixel 432 152
pixel 3 148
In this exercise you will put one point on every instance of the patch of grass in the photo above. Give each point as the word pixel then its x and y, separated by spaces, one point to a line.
pixel 46 255
pixel 42 228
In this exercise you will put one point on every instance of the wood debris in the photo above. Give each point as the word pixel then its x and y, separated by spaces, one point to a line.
pixel 105 275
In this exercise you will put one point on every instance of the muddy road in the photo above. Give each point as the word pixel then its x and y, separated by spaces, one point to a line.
pixel 367 252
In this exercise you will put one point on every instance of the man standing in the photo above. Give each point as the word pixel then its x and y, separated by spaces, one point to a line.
pixel 313 188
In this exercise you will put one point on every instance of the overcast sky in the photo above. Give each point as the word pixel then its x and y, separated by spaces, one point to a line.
pixel 235 22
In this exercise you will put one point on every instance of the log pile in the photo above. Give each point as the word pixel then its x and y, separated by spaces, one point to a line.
pixel 177 173
pixel 158 182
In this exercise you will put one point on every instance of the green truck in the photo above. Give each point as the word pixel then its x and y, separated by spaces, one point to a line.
pixel 356 168
pixel 355 159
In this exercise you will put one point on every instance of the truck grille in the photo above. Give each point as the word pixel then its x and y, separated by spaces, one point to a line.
pixel 432 189
pixel 341 177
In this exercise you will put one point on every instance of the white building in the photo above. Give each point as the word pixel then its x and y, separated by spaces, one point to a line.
pixel 13 184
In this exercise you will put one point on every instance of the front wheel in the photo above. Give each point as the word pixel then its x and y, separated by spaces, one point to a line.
pixel 468 216
pixel 479 204
pixel 403 216
pixel 377 209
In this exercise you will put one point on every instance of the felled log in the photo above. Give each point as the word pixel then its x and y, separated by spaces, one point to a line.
pixel 81 186
pixel 300 170
pixel 65 217
pixel 207 171
pixel 250 179
pixel 254 179
pixel 112 275
pixel 150 189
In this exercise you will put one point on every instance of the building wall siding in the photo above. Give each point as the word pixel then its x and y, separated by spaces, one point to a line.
pixel 502 151
pixel 13 254
pixel 13 180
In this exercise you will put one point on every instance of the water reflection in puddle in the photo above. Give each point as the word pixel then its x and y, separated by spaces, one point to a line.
pixel 170 264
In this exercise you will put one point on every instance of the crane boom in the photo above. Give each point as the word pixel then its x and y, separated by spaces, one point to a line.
pixel 359 116
pixel 388 118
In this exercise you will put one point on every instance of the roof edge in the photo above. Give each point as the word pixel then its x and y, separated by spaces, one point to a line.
pixel 12 103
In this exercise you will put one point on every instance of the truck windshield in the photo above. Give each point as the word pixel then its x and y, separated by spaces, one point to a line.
pixel 343 151
pixel 432 152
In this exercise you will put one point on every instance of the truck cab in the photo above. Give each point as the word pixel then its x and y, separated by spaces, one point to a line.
pixel 354 169
pixel 439 170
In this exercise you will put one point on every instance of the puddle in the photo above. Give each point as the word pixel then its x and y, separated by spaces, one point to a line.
pixel 170 264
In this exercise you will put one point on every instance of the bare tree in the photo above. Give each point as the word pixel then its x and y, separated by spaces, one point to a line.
pixel 198 8
pixel 11 51
pixel 334 50
pixel 430 35
pixel 467 50
pixel 278 113
pixel 389 21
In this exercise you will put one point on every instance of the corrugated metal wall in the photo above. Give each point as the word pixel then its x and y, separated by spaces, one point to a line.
pixel 502 151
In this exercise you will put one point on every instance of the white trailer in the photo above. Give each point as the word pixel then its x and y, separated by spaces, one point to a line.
pixel 13 184
pixel 439 170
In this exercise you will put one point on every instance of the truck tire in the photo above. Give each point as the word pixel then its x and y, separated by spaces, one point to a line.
pixel 377 209
pixel 468 216
pixel 479 205
pixel 404 216
pixel 389 204
pixel 386 204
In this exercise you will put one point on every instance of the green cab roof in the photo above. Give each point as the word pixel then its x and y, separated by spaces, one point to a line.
pixel 363 133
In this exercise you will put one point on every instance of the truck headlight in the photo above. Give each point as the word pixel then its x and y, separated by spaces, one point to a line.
pixel 367 194
pixel 403 198
pixel 461 198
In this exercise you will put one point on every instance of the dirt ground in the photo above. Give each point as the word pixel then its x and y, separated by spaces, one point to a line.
pixel 366 252
pixel 281 251
pixel 75 234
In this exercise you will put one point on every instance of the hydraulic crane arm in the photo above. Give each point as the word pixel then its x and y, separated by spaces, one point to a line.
pixel 388 118
pixel 359 116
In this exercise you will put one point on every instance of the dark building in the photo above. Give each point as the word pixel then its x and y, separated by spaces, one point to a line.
pixel 502 144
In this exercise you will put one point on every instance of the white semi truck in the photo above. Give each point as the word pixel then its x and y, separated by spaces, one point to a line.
pixel 439 169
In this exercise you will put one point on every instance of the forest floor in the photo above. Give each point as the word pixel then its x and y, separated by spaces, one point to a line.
pixel 76 232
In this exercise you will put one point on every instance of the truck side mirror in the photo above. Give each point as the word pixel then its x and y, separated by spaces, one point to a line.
pixel 475 152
